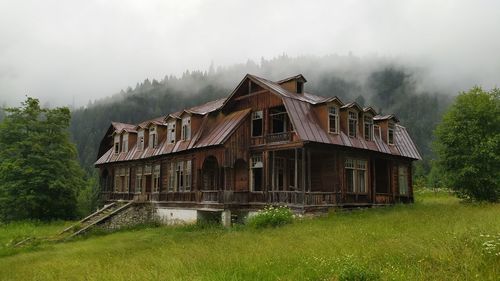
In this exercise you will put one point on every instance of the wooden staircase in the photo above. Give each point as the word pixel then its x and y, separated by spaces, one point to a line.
pixel 95 218
pixel 83 225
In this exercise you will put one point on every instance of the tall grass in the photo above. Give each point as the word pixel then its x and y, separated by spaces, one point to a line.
pixel 437 238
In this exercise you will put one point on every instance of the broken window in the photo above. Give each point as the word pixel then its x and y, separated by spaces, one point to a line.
pixel 186 128
pixel 171 132
pixel 279 120
pixel 257 118
pixel 256 170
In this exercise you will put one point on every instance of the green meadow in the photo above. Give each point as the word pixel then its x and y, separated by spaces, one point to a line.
pixel 437 238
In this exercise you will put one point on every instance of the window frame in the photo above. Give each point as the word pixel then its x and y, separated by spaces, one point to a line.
pixel 403 174
pixel 356 166
pixel 186 128
pixel 335 116
pixel 355 125
pixel 254 118
pixel 254 164
pixel 171 132
pixel 371 131
pixel 391 129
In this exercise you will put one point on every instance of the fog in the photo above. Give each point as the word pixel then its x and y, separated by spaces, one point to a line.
pixel 70 52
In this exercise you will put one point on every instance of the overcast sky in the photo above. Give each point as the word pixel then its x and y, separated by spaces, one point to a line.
pixel 60 50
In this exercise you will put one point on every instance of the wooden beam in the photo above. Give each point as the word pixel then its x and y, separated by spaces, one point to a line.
pixel 296 178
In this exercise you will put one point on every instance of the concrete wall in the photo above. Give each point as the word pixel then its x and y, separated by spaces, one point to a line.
pixel 172 216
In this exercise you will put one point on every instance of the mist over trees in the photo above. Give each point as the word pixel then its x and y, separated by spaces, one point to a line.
pixel 386 85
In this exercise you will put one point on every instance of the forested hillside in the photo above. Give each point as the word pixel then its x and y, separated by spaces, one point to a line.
pixel 382 83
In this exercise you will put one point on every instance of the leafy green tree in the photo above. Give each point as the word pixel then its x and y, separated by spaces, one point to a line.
pixel 39 175
pixel 468 145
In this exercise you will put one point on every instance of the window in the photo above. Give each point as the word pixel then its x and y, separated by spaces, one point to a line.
pixel 403 180
pixel 179 174
pixel 171 132
pixel 138 180
pixel 279 120
pixel 376 131
pixel 356 175
pixel 171 178
pixel 300 87
pixel 368 121
pixel 125 143
pixel 256 172
pixel 186 128
pixel 333 119
pixel 153 137
pixel 353 124
pixel 187 175
pixel 390 134
pixel 117 143
pixel 257 117
pixel 156 178
pixel 121 179
pixel 140 135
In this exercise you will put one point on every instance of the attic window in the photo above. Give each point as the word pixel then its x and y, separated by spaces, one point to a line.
pixel 333 119
pixel 141 139
pixel 300 87
pixel 153 137
pixel 368 128
pixel 353 123
pixel 171 132
pixel 117 143
pixel 186 128
pixel 390 134
pixel 125 143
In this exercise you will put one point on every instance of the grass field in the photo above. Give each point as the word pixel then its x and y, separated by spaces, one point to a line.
pixel 437 238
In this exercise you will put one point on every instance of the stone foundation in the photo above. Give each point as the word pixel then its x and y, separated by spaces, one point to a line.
pixel 134 215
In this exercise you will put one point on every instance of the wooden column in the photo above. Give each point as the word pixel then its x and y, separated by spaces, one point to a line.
pixel 296 177
pixel 303 160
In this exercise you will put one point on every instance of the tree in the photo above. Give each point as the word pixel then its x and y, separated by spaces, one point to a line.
pixel 468 145
pixel 39 175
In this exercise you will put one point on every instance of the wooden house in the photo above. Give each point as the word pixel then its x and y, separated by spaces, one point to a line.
pixel 266 143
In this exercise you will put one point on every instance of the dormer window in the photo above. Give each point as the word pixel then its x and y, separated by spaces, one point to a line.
pixel 117 143
pixel 333 119
pixel 390 133
pixel 125 143
pixel 368 128
pixel 300 87
pixel 140 136
pixel 186 128
pixel 153 137
pixel 352 124
pixel 171 132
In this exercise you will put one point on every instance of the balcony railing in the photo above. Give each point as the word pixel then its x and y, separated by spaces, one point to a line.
pixel 292 198
pixel 279 137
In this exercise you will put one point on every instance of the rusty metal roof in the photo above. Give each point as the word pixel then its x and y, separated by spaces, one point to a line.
pixel 301 113
pixel 307 128
pixel 223 129
pixel 385 117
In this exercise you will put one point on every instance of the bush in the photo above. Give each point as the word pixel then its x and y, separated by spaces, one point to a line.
pixel 271 216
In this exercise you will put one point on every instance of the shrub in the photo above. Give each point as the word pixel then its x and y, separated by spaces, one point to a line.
pixel 271 216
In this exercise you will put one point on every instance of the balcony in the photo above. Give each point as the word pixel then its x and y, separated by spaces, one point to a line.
pixel 279 137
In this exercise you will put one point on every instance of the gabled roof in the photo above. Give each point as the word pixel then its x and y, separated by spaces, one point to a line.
pixel 299 77
pixel 370 109
pixel 119 127
pixel 352 105
pixel 386 117
pixel 207 107
pixel 155 121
